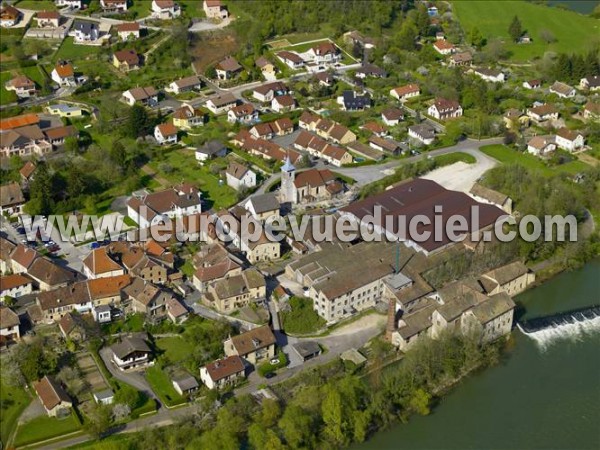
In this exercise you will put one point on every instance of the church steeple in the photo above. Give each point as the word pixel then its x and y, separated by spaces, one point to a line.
pixel 287 193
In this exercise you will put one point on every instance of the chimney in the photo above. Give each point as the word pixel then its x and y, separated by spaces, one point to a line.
pixel 391 322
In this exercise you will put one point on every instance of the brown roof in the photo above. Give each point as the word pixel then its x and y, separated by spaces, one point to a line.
pixel 544 110
pixel 108 286
pixel 594 108
pixel 9 11
pixel 225 367
pixel 408 89
pixel 534 83
pixel 129 57
pixel 142 93
pixel 253 340
pixel 444 104
pixel 275 86
pixel 374 127
pixel 6 248
pixel 64 69
pixel 462 57
pixel 8 318
pixel 50 393
pixel 567 134
pixel 69 322
pixel 561 88
pixel 164 4
pixel 175 308
pixel 22 81
pixel 99 262
pixel 243 110
pixel 216 271
pixel 188 81
pixel 19 121
pixel 505 274
pixel 313 178
pixel 262 62
pixel 539 142
pixel 167 129
pixel 489 194
pixel 224 99
pixel 285 100
pixel 229 64
pixel 236 170
pixel 325 48
pixel 393 114
pixel 13 281
pixel 11 194
pixel 295 58
pixel 61 132
pixel 45 271
pixel 443 45
pixel 48 15
pixel 24 255
pixel 129 26
pixel 27 170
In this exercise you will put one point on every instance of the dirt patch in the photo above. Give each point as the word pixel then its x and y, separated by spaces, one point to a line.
pixel 91 373
pixel 281 43
pixel 210 48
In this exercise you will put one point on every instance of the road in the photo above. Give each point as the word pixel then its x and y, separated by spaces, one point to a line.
pixel 59 93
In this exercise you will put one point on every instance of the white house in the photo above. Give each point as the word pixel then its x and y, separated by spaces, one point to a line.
pixel 325 53
pixel 443 109
pixel 532 84
pixel 105 397
pixel 422 132
pixel 185 85
pixel 491 75
pixel 165 133
pixel 63 74
pixel 403 93
pixel 244 114
pixel 212 149
pixel 541 146
pixel 15 286
pixel 267 92
pixel 165 9
pixel 128 30
pixel 22 86
pixel 221 103
pixel 9 16
pixel 224 372
pixel 569 140
pixel 591 83
pixel 443 47
pixel 114 5
pixel 214 9
pixel 86 32
pixel 73 4
pixel 147 96
pixel 563 90
pixel 291 59
pixel 131 352
pixel 283 103
pixel 239 176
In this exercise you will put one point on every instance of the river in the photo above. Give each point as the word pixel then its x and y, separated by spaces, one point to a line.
pixel 545 394
pixel 580 6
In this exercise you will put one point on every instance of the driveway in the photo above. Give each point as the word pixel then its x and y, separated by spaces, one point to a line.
pixel 33 410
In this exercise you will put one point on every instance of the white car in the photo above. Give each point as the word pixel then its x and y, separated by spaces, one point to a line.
pixel 274 361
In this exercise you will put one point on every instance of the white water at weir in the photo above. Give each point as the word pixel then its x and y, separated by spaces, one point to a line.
pixel 573 329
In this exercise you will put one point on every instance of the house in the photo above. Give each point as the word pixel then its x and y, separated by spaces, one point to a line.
pixel 543 112
pixel 21 258
pixel 515 118
pixel 131 353
pixel 591 111
pixel 24 141
pixel 307 350
pixel 511 279
pixel 176 311
pixel 487 195
pixel 165 9
pixel 212 149
pixel 325 78
pixel 48 275
pixel 351 101
pixel 227 68
pixel 105 397
pixel 72 327
pixel 187 117
pixel 569 140
pixel 71 4
pixel 147 96
pixel 53 397
pixel 106 291
pixel 187 84
pixel 563 90
pixel 244 114
pixel 370 70
pixel 291 59
pixel 63 74
pixel 313 185
pixel 268 69
pixel 9 326
pixel 325 53
pixel 239 176
pixel 443 109
pixel 6 250
pixel 12 199
pixel 221 103
pixel 214 263
pixel 113 6
pixel 591 83
pixel 283 103
pixel 356 38
pixel 22 86
pixel 403 93
pixel 491 75
pixel 9 16
pixel 185 384
pixel 102 313
pixel 86 32
pixel 15 285
pixel 178 201
pixel 365 151
pixel 215 10
pixel 255 346
pixel 279 127
pixel 165 133
pixel 223 372
pixel 384 145
pixel 27 172
pixel 460 59
pixel 57 136
pixel 267 92
pixel 237 291
pixel 392 116
pixel 443 47
pixel 541 146
pixel 99 264
pixel 64 110
pixel 262 206
pixel 375 128
pixel 126 60
pixel 128 31
pixel 532 84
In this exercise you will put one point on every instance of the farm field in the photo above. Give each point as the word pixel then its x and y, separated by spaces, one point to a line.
pixel 573 31
pixel 71 51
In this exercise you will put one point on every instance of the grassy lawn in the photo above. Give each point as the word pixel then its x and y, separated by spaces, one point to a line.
pixel 451 158
pixel 302 319
pixel 161 385
pixel 141 8
pixel 13 400
pixel 134 323
pixel 509 156
pixel 44 427
pixel 571 30
pixel 178 165
pixel 176 349
pixel 71 51
pixel 37 5
pixel 192 8
pixel 6 96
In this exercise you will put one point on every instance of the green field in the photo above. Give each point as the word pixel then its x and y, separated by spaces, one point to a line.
pixel 573 32
pixel 303 318
pixel 161 385
pixel 509 156
pixel 6 96
pixel 45 427
pixel 37 5
pixel 141 8
pixel 176 349
pixel 13 400
pixel 71 51
pixel 451 158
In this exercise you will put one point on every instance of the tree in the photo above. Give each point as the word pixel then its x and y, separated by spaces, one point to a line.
pixel 476 38
pixel 72 145
pixel 515 30
pixel 129 396
pixel 333 416
pixel 138 123
pixel 407 38
pixel 40 192
pixel 547 36
pixel 99 421
pixel 296 425
pixel 419 402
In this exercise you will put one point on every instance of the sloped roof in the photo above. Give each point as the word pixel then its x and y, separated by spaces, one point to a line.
pixel 253 340
pixel 50 392
pixel 225 367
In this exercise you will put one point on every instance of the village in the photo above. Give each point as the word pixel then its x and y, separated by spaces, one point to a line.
pixel 111 118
